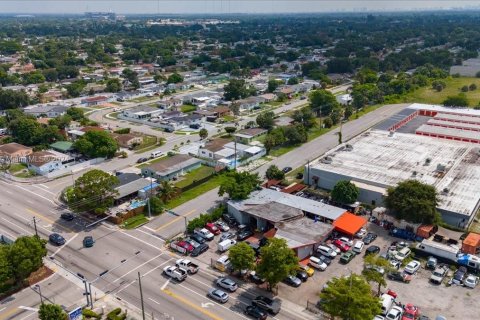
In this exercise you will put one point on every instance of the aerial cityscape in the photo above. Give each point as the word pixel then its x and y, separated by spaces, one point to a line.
pixel 290 160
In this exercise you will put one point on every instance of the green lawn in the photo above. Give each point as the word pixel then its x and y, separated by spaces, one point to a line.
pixel 146 164
pixel 228 118
pixel 454 85
pixel 16 167
pixel 187 108
pixel 142 99
pixel 134 222
pixel 148 141
pixel 196 192
pixel 195 175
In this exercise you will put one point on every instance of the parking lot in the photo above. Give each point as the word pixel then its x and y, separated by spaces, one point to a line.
pixel 451 301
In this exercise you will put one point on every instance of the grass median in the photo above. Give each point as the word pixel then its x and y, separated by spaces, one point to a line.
pixel 134 222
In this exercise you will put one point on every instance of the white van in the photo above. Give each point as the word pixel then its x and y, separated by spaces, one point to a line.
pixel 326 251
pixel 402 254
pixel 225 245
pixel 317 263
pixel 156 154
pixel 387 302
pixel 223 263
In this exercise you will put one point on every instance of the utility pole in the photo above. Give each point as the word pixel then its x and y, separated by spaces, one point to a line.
pixel 141 295
pixel 235 156
pixel 39 293
pixel 90 292
pixel 86 292
pixel 35 226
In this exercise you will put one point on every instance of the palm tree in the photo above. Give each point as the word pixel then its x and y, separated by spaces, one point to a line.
pixel 166 191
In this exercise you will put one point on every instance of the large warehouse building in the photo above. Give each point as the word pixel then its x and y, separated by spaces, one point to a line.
pixel 433 144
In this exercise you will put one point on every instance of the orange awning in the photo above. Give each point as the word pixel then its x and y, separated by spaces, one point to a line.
pixel 349 223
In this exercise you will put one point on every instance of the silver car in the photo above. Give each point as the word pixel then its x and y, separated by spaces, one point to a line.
pixel 218 295
pixel 226 283
pixel 227 236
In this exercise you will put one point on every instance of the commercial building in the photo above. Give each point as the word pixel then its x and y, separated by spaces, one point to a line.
pixel 378 159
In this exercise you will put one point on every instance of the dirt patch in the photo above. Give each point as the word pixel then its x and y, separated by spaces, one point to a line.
pixel 35 277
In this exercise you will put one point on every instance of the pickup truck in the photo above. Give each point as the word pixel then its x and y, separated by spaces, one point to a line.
pixel 175 273
pixel 204 233
pixel 188 265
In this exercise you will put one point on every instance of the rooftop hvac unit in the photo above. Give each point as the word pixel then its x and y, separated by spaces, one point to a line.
pixel 441 167
pixel 391 133
pixel 445 190
pixel 348 147
pixel 327 160
pixel 427 161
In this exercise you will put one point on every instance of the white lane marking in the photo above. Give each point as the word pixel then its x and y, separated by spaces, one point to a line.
pixel 28 232
pixel 43 185
pixel 153 301
pixel 137 267
pixel 165 285
pixel 207 304
pixel 3 309
pixel 159 266
pixel 29 201
pixel 143 276
pixel 25 189
pixel 66 243
pixel 27 308
pixel 45 190
pixel 149 234
pixel 148 228
pixel 144 242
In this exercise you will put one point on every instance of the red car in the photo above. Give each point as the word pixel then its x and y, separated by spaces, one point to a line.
pixel 187 246
pixel 342 246
pixel 410 312
pixel 212 228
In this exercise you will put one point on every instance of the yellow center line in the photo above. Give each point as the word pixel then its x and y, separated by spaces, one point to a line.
pixel 6 314
pixel 41 216
pixel 175 220
pixel 193 305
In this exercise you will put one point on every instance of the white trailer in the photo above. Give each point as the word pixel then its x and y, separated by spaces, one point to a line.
pixel 440 250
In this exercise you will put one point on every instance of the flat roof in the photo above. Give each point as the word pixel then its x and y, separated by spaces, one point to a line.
pixel 382 160
pixel 454 124
pixel 273 211
pixel 307 205
pixel 302 232
pixel 394 119
pixel 437 108
pixel 451 132
pixel 458 117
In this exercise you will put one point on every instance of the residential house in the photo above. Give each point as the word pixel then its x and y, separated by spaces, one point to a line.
pixel 248 135
pixel 268 97
pixel 172 103
pixel 94 87
pixel 344 99
pixel 50 111
pixel 249 103
pixel 141 112
pixel 209 150
pixel 63 146
pixel 286 90
pixel 171 167
pixel 52 95
pixel 245 152
pixel 44 162
pixel 132 185
pixel 184 121
pixel 15 152
pixel 213 114
pixel 94 101
pixel 128 140
pixel 21 68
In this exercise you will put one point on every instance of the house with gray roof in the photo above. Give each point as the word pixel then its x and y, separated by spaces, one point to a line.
pixel 171 167
pixel 51 111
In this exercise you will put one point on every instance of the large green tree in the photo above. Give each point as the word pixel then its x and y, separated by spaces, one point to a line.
pixel 350 298
pixel 93 191
pixel 113 85
pixel 345 192
pixel 238 185
pixel 236 89
pixel 6 267
pixel 273 172
pixel 322 102
pixel 203 133
pixel 277 261
pixel 10 99
pixel 242 256
pixel 266 120
pixel 373 265
pixel 174 78
pixel 51 312
pixel 97 144
pixel 26 255
pixel 413 201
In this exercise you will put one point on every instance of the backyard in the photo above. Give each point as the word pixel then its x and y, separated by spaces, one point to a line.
pixel 195 175
pixel 187 108
pixel 149 142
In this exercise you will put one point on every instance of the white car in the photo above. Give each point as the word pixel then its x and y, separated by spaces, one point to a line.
pixel 395 264
pixel 358 247
pixel 379 318
pixel 412 267
pixel 361 233
pixel 395 313
pixel 471 281
pixel 346 241
pixel 334 248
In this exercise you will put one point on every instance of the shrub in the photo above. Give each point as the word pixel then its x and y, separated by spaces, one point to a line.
pixel 122 131
pixel 464 89
pixel 472 87
pixel 87 313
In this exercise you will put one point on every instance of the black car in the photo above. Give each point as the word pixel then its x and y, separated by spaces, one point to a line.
pixel 323 258
pixel 229 220
pixel 141 160
pixel 199 250
pixel 255 278
pixel 244 234
pixel 287 169
pixel 369 238
pixel 372 250
pixel 459 275
pixel 267 304
pixel 197 238
pixel 302 275
pixel 255 313
pixel 56 239
pixel 399 276
pixel 67 216
pixel 88 241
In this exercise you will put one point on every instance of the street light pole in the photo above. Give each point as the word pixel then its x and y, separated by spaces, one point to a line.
pixel 39 293
pixel 35 226
pixel 141 295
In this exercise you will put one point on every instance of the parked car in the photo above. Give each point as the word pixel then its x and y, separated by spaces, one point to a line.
pixel 347 241
pixel 358 247
pixel 203 247
pixel 334 247
pixel 229 220
pixel 142 160
pixel 410 311
pixel 255 247
pixel 227 283
pixel 395 313
pixel 244 234
pixel 218 295
pixel 227 236
pixel 287 169
pixel 369 238
pixel 198 238
pixel 292 281
pixel 471 281
pixel 255 278
pixel 223 226
pixel 323 258
pixel 459 275
pixel 194 243
pixel 361 233
pixel 56 239
pixel 225 245
pixel 272 306
pixel 438 275
pixel 342 246
pixel 207 235
pixel 372 250
pixel 399 276
pixel 310 271
pixel 395 264
pixel 67 216
pixel 302 275
pixel 88 242
pixel 327 251
pixel 412 267
pixel 317 263
pixel 347 257
pixel 402 254
pixel 255 312
pixel 431 263
pixel 212 227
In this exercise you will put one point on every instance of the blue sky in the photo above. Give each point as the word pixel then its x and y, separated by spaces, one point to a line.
pixel 222 6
